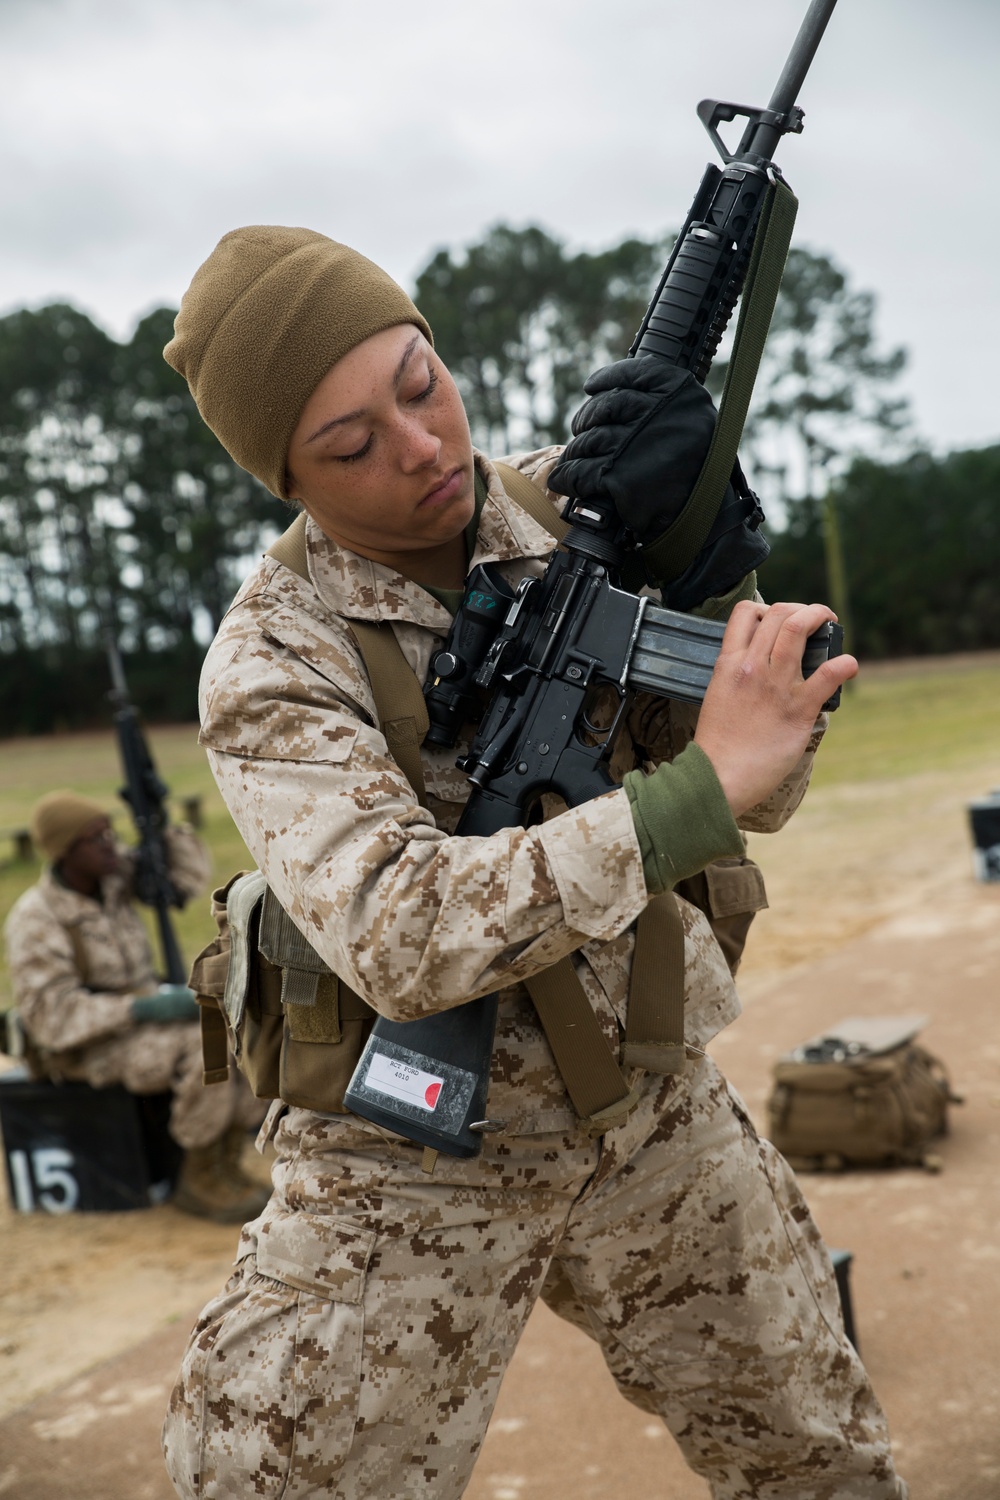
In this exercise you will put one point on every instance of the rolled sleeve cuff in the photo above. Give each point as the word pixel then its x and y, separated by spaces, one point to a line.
pixel 682 819
pixel 594 855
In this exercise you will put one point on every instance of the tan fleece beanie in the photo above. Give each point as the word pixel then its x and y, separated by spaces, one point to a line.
pixel 59 819
pixel 266 316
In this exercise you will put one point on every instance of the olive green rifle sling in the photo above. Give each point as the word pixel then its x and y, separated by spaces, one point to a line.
pixel 654 1036
pixel 393 683
pixel 667 557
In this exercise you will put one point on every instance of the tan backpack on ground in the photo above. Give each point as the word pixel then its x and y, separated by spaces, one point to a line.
pixel 862 1094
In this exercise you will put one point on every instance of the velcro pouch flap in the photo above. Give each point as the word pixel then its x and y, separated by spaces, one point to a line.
pixel 325 1256
pixel 210 971
pixel 283 944
pixel 734 886
pixel 245 896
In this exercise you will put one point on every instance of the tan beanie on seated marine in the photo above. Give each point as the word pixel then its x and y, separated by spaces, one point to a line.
pixel 59 819
pixel 267 315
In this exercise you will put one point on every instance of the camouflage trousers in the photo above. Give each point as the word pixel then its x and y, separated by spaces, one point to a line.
pixel 155 1058
pixel 358 1349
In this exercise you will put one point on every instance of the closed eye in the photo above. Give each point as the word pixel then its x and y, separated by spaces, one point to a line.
pixel 350 458
pixel 423 395
pixel 429 388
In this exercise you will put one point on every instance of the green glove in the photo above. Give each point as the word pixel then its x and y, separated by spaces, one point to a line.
pixel 172 1002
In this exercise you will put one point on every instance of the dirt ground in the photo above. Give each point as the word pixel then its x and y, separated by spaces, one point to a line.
pixel 874 909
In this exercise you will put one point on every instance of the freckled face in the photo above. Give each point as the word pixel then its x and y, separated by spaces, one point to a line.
pixel 381 457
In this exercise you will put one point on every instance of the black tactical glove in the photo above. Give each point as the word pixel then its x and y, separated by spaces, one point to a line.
pixel 734 547
pixel 641 440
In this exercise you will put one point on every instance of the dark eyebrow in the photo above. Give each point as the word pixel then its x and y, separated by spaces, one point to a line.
pixel 352 416
pixel 401 367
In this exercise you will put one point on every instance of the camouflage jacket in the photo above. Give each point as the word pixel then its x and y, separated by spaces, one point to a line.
pixel 76 962
pixel 416 920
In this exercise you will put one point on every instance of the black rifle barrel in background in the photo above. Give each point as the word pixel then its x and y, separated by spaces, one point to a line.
pixel 146 796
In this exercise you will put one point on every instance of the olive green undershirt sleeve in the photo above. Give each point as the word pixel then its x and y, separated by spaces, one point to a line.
pixel 722 607
pixel 682 819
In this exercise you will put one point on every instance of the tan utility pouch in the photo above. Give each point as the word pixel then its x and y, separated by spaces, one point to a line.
pixel 730 892
pixel 295 1029
pixel 862 1094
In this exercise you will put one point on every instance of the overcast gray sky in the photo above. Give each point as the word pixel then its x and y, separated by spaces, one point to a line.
pixel 133 133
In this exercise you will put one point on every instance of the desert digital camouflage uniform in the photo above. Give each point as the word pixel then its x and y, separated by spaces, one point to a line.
pixel 358 1349
pixel 77 963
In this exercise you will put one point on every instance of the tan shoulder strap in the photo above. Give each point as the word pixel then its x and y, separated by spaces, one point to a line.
pixel 530 497
pixel 654 1034
pixel 399 698
pixel 594 1081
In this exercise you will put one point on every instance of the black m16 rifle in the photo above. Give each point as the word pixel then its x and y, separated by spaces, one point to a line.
pixel 576 629
pixel 146 796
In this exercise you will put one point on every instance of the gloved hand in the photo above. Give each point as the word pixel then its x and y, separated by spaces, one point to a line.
pixel 172 1002
pixel 642 439
pixel 734 547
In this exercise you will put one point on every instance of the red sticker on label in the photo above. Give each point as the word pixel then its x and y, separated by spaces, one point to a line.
pixel 431 1093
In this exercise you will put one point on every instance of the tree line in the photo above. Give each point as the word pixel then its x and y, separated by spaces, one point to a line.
pixel 120 512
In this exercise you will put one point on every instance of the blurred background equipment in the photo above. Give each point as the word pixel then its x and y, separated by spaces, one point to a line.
pixel 69 1148
pixel 146 796
pixel 984 821
pixel 862 1093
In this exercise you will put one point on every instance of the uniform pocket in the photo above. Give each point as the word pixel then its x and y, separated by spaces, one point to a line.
pixel 804 1239
pixel 267 1397
pixel 730 892
pixel 326 1257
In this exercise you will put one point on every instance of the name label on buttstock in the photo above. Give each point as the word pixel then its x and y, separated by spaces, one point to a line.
pixel 418 1085
pixel 400 1080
